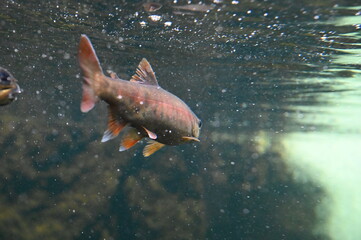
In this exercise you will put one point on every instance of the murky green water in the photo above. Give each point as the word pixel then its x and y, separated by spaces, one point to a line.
pixel 276 84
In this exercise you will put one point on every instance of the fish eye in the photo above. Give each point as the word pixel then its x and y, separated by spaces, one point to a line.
pixel 4 76
pixel 200 124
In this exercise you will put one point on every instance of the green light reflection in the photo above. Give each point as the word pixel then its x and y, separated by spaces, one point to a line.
pixel 332 158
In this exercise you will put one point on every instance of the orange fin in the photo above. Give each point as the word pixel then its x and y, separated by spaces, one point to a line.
pixel 187 139
pixel 145 74
pixel 130 138
pixel 152 147
pixel 151 135
pixel 90 66
pixel 115 125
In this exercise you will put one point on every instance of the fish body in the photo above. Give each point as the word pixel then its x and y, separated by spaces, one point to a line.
pixel 8 87
pixel 138 108
pixel 152 6
pixel 195 7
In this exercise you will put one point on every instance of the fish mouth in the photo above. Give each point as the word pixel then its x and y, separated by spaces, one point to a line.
pixel 8 87
pixel 5 86
pixel 17 89
pixel 8 93
pixel 190 139
pixel 11 89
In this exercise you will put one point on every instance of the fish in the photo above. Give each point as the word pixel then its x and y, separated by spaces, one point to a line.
pixel 194 7
pixel 8 87
pixel 137 108
pixel 152 6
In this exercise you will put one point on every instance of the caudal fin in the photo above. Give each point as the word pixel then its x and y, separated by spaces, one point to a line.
pixel 91 70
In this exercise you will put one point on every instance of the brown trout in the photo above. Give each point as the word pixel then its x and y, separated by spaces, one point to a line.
pixel 138 108
pixel 8 87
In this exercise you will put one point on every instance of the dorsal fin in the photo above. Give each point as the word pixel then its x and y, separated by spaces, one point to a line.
pixel 144 74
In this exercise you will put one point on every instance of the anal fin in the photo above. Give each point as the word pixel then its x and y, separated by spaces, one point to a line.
pixel 152 147
pixel 130 138
pixel 115 125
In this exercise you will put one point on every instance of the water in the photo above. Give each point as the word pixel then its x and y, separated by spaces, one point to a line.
pixel 276 84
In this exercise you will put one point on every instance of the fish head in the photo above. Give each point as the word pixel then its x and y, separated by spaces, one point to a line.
pixel 8 87
pixel 196 128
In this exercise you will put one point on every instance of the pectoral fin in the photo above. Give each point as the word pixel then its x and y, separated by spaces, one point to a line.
pixel 115 125
pixel 151 135
pixel 187 139
pixel 130 138
pixel 151 148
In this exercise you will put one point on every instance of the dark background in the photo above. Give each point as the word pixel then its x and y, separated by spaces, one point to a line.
pixel 243 67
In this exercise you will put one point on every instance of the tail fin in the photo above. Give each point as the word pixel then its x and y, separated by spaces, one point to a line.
pixel 91 69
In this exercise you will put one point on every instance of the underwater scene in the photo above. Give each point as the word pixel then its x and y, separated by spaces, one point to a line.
pixel 268 107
